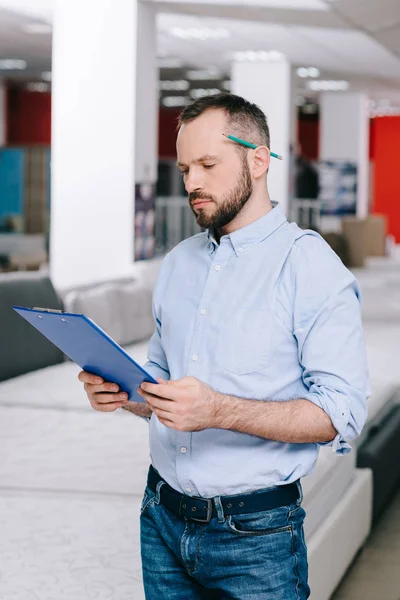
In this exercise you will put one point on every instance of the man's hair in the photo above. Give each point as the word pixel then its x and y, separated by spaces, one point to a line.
pixel 244 119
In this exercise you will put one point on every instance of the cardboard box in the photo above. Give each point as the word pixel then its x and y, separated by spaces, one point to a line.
pixel 376 235
pixel 355 232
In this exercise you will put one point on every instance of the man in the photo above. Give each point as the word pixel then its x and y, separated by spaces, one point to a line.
pixel 259 354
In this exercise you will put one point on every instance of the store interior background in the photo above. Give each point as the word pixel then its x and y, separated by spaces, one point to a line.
pixel 357 53
pixel 87 169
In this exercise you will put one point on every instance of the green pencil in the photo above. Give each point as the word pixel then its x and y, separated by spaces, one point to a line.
pixel 249 145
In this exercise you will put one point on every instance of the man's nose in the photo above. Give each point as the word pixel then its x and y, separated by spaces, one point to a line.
pixel 193 181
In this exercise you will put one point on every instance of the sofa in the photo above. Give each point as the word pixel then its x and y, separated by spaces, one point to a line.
pixel 338 495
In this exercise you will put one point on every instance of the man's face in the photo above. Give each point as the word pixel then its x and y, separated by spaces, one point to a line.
pixel 216 177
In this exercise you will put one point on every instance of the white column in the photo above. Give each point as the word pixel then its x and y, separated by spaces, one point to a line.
pixel 267 84
pixel 146 145
pixel 3 114
pixel 93 162
pixel 344 136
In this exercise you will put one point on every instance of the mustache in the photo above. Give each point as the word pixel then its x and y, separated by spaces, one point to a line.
pixel 199 196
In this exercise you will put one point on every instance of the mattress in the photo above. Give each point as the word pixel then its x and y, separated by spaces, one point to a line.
pixel 324 488
pixel 56 386
pixel 336 542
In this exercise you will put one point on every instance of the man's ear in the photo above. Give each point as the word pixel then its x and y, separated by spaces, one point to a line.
pixel 261 161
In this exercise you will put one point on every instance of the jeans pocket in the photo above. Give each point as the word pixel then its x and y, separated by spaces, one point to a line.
pixel 264 523
pixel 237 527
pixel 148 499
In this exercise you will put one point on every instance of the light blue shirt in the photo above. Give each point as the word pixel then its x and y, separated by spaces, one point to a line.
pixel 270 314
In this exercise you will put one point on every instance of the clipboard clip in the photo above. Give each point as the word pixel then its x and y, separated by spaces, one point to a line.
pixel 48 310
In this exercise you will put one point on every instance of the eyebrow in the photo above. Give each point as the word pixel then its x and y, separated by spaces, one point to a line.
pixel 204 158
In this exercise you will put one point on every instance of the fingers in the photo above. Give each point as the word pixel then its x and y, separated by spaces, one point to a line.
pixel 106 407
pixel 156 401
pixel 103 395
pixel 103 388
pixel 166 390
pixel 86 377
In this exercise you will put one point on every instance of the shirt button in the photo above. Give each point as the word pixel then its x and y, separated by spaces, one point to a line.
pixel 194 357
pixel 183 450
pixel 217 267
pixel 240 249
pixel 188 490
pixel 203 311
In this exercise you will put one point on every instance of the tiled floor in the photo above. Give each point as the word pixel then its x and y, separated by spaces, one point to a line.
pixel 375 574
pixel 71 482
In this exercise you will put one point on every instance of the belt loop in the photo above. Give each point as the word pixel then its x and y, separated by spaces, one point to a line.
pixel 158 490
pixel 220 509
pixel 300 488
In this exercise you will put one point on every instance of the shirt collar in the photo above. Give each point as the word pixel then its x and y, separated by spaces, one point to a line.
pixel 252 234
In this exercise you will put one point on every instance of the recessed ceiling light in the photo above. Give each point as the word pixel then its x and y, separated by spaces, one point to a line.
pixel 201 92
pixel 204 74
pixel 258 55
pixel 322 85
pixel 179 85
pixel 305 72
pixel 165 62
pixel 200 33
pixel 38 87
pixel 171 101
pixel 38 28
pixel 11 64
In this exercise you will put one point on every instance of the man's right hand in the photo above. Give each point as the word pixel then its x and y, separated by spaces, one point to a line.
pixel 106 397
pixel 103 396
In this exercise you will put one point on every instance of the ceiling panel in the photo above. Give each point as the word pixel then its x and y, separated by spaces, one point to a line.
pixel 16 43
pixel 372 15
pixel 282 4
pixel 41 9
pixel 390 38
pixel 339 50
pixel 251 12
pixel 354 51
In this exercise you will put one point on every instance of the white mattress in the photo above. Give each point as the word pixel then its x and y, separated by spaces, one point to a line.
pixel 324 488
pixel 334 545
pixel 56 386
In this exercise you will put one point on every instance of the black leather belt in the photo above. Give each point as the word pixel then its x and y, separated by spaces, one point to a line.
pixel 203 509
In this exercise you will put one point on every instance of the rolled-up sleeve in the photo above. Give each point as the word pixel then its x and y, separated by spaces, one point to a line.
pixel 331 348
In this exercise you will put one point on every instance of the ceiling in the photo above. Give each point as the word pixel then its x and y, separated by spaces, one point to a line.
pixel 354 40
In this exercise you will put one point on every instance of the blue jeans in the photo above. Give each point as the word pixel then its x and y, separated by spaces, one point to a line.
pixel 257 556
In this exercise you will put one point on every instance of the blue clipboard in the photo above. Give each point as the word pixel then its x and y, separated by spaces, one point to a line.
pixel 87 345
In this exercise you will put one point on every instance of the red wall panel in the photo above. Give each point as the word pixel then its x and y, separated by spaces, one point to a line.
pixel 308 136
pixel 29 117
pixel 168 119
pixel 386 194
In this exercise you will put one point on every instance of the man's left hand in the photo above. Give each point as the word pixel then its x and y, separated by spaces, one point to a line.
pixel 184 404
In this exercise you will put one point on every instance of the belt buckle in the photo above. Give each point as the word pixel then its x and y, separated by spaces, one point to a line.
pixel 207 519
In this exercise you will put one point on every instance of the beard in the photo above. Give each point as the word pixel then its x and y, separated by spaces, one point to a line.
pixel 231 204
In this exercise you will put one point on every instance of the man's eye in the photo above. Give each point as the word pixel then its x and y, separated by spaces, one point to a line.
pixel 184 172
pixel 209 166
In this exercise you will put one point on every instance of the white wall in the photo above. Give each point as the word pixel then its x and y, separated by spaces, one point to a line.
pixel 268 85
pixel 344 135
pixel 94 70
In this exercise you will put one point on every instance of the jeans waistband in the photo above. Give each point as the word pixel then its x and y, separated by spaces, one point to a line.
pixel 203 509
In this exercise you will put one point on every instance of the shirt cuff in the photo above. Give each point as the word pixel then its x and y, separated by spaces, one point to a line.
pixel 336 407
